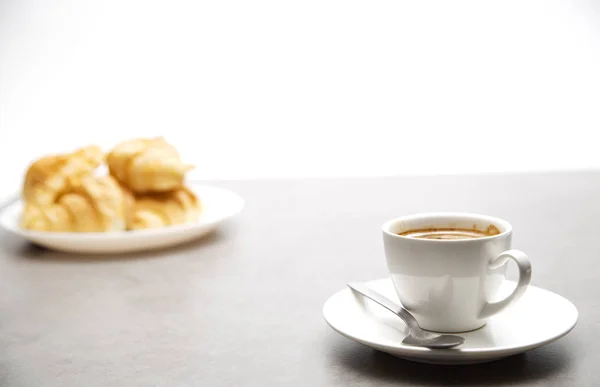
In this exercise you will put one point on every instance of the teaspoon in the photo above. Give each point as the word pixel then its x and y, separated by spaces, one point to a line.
pixel 417 336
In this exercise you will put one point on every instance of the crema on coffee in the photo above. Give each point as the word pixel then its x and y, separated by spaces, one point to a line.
pixel 450 233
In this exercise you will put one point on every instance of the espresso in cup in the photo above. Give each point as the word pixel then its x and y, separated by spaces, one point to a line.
pixel 450 233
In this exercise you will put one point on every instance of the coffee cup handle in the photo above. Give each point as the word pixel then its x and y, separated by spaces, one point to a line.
pixel 520 258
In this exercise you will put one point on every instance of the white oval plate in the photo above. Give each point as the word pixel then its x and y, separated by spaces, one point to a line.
pixel 218 205
pixel 538 318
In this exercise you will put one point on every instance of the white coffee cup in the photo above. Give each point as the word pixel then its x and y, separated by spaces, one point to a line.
pixel 448 285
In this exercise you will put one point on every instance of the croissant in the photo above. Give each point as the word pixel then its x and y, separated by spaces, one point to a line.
pixel 94 204
pixel 147 165
pixel 165 209
pixel 51 217
pixel 49 177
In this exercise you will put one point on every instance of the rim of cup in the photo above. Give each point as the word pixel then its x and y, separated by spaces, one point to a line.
pixel 504 226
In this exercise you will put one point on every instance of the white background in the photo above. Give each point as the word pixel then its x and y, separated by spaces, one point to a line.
pixel 263 89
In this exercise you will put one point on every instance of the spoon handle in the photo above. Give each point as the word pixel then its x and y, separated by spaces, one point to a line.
pixel 404 314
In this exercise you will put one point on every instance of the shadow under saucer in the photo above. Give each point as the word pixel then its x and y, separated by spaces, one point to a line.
pixel 362 361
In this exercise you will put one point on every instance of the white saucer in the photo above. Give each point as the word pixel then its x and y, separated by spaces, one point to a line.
pixel 538 318
pixel 218 204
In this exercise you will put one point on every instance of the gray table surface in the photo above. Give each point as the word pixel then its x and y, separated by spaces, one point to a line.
pixel 242 307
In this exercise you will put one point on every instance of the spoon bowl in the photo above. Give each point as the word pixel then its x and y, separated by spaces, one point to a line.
pixel 436 341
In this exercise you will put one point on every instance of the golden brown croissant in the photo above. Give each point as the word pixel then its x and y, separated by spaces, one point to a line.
pixel 165 209
pixel 49 177
pixel 129 203
pixel 52 217
pixel 94 204
pixel 147 165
